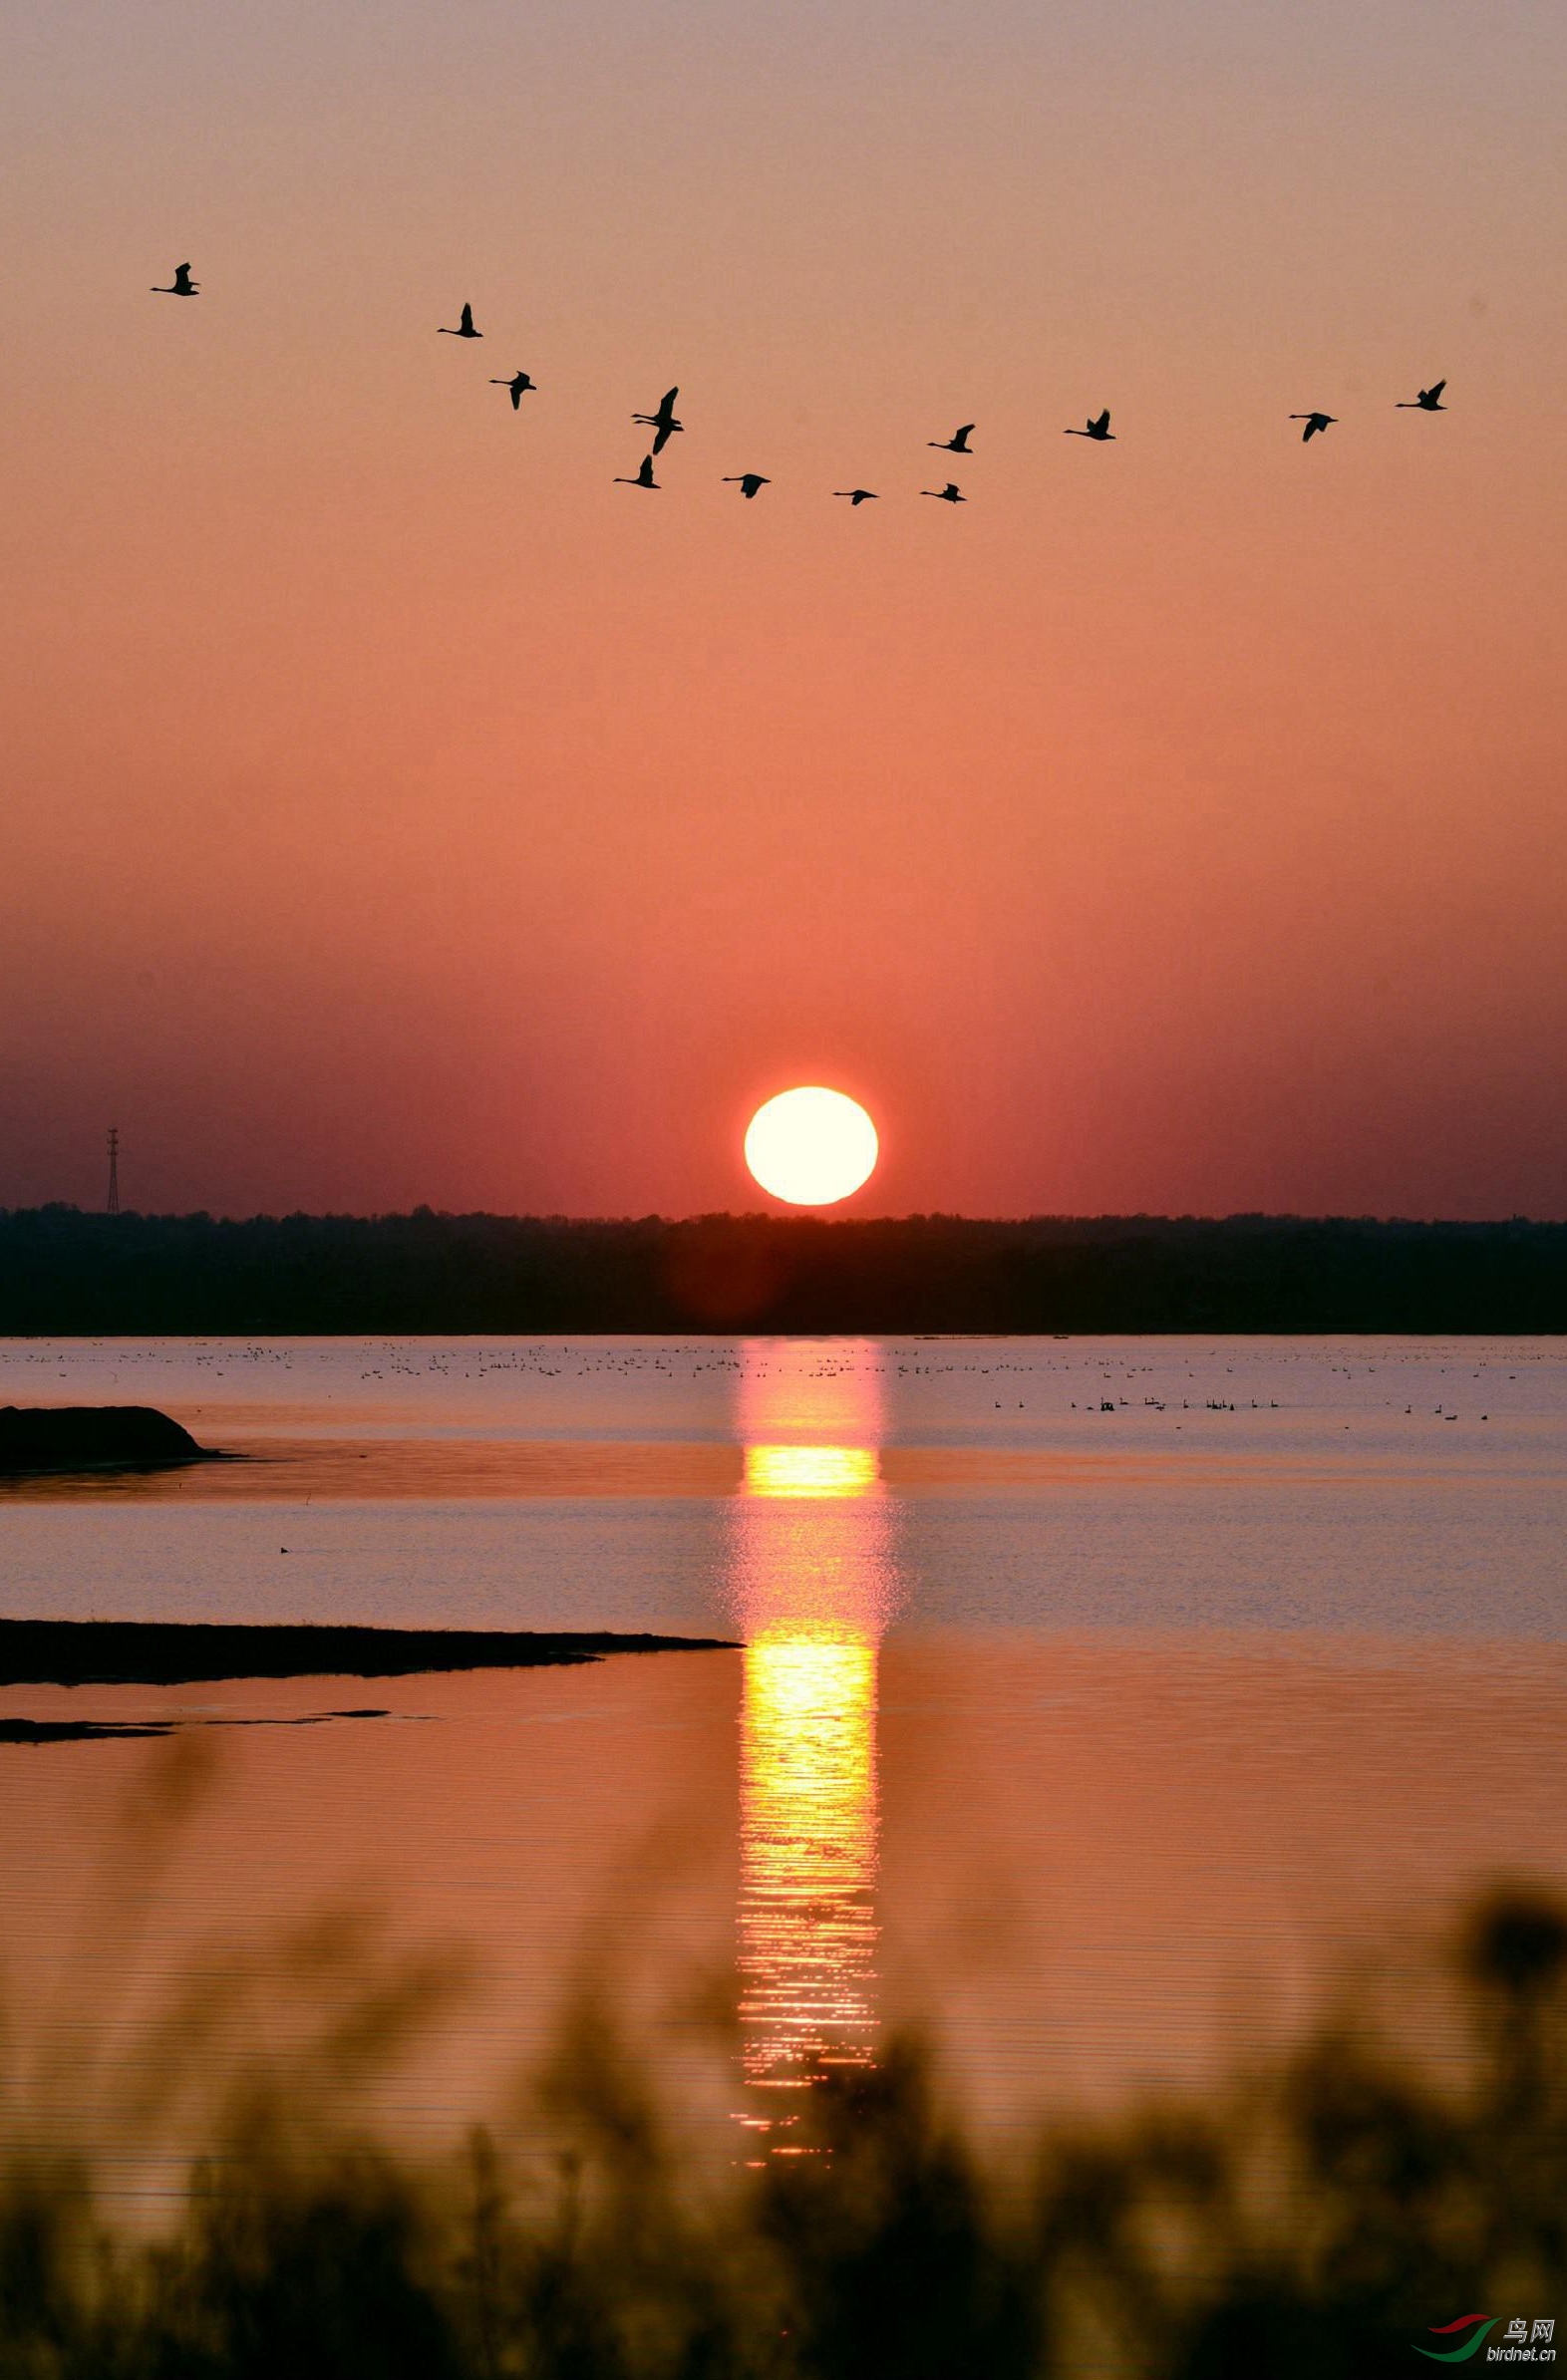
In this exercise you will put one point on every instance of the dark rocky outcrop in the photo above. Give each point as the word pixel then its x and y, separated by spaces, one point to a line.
pixel 92 1438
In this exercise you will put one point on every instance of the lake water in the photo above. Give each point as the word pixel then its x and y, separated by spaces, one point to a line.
pixel 1098 1703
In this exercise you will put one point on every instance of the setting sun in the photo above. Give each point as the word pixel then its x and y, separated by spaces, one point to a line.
pixel 811 1146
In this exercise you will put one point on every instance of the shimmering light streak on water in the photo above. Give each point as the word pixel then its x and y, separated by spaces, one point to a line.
pixel 807 1916
pixel 811 1470
pixel 812 1583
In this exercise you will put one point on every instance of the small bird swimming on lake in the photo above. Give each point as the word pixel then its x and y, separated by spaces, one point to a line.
pixel 644 477
pixel 1314 422
pixel 464 327
pixel 946 495
pixel 858 496
pixel 518 384
pixel 746 481
pixel 958 444
pixel 181 284
pixel 662 424
pixel 1427 401
pixel 1099 430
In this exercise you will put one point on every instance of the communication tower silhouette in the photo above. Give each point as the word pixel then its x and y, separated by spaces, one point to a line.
pixel 113 1169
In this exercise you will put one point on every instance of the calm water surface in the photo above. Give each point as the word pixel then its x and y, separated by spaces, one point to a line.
pixel 1096 1700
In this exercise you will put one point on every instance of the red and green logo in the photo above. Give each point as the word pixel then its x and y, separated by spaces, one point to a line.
pixel 1471 2346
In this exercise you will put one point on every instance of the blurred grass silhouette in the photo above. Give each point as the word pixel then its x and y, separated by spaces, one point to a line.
pixel 1316 2218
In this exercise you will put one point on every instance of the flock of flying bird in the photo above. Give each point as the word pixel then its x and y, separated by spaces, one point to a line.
pixel 664 426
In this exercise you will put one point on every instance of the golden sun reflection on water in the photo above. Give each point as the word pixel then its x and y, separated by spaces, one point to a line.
pixel 812 1580
pixel 811 1470
pixel 807 1916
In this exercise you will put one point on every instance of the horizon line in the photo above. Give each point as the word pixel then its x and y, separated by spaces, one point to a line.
pixel 557 1218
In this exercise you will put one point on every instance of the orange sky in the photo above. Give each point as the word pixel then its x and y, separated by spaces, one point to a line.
pixel 398 810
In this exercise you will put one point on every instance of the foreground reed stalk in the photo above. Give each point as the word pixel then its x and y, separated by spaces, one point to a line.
pixel 1317 2217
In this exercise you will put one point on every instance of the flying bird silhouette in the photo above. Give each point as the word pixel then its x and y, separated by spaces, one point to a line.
pixel 465 328
pixel 860 496
pixel 1099 430
pixel 644 477
pixel 946 495
pixel 662 424
pixel 746 481
pixel 518 384
pixel 1427 401
pixel 958 444
pixel 1314 422
pixel 181 284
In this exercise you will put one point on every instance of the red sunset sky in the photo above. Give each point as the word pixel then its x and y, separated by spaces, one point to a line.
pixel 397 810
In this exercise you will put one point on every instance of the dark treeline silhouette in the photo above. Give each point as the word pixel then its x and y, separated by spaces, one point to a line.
pixel 63 1271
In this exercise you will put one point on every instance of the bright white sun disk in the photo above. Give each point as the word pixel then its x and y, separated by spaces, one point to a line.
pixel 811 1146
